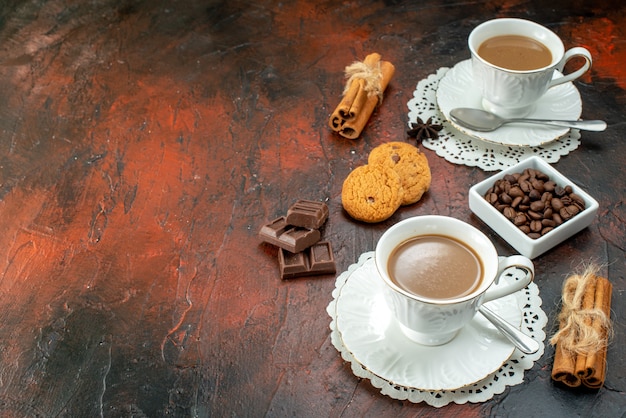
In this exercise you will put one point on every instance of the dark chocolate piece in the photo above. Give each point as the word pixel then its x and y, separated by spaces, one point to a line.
pixel 315 260
pixel 307 214
pixel 291 238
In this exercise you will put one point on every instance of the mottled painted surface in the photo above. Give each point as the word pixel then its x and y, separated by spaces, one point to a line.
pixel 143 144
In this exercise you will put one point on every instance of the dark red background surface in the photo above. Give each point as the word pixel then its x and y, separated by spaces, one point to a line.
pixel 144 143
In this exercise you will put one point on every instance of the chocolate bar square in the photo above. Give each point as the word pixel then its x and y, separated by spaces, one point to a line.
pixel 315 260
pixel 289 237
pixel 307 214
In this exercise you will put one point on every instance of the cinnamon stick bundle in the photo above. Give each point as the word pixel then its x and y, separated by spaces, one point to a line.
pixel 364 89
pixel 584 331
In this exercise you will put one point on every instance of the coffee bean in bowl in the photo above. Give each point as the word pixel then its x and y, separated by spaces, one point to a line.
pixel 532 206
pixel 533 202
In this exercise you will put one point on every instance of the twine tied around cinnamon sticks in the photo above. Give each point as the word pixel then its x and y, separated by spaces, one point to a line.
pixel 371 76
pixel 366 82
pixel 584 330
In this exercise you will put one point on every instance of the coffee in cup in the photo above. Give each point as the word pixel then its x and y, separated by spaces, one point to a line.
pixel 515 61
pixel 435 266
pixel 515 52
pixel 438 270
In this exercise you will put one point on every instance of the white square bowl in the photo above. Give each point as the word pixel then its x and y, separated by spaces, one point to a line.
pixel 527 246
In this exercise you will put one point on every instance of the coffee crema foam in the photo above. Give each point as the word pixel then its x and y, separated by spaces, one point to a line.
pixel 515 52
pixel 435 267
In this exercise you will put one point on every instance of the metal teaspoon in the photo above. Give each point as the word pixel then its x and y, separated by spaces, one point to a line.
pixel 483 121
pixel 520 340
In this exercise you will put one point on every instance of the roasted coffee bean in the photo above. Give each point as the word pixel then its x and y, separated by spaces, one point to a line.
pixel 509 212
pixel 505 198
pixel 578 200
pixel 538 185
pixel 557 219
pixel 557 204
pixel 533 202
pixel 559 191
pixel 549 185
pixel 510 178
pixel 568 212
pixel 534 194
pixel 537 206
pixel 536 226
pixel 516 191
pixel 520 219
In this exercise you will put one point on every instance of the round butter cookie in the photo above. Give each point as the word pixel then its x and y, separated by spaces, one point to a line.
pixel 371 193
pixel 409 163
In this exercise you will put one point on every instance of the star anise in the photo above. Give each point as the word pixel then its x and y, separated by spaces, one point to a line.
pixel 422 130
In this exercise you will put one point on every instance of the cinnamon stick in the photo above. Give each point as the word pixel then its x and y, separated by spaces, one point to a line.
pixel 582 340
pixel 353 101
pixel 593 372
pixel 587 305
pixel 564 366
pixel 362 94
pixel 564 360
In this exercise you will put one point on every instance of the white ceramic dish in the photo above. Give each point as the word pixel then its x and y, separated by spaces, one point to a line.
pixel 526 246
pixel 370 333
pixel 511 373
pixel 457 89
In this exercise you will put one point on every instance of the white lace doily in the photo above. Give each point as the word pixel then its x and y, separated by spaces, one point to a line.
pixel 511 373
pixel 458 148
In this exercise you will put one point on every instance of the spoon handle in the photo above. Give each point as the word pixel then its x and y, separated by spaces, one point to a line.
pixel 520 340
pixel 586 125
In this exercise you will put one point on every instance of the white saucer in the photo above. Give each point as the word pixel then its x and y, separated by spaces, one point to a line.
pixel 370 333
pixel 457 89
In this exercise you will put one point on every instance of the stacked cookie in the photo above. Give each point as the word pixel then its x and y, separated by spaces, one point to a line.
pixel 396 174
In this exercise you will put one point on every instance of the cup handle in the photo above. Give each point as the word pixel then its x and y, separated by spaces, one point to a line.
pixel 498 290
pixel 569 54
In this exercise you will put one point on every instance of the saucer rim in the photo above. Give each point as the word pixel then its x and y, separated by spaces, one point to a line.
pixel 340 335
pixel 487 136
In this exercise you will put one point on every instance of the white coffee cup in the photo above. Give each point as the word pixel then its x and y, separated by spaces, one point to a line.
pixel 430 321
pixel 513 93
